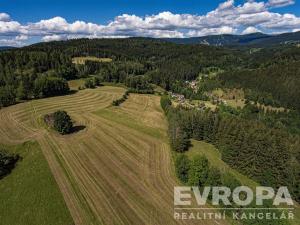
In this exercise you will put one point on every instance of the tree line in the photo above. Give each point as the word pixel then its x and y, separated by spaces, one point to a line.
pixel 267 155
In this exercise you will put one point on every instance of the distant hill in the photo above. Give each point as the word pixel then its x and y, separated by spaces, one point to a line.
pixel 2 48
pixel 255 39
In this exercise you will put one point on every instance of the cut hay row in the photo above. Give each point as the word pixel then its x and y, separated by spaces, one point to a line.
pixel 118 170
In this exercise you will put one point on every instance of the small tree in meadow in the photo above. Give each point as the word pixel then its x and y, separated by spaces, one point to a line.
pixel 62 122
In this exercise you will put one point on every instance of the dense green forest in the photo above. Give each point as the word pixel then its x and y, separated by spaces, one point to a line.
pixel 279 83
pixel 268 155
pixel 41 70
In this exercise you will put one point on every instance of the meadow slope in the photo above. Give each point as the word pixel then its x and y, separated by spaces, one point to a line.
pixel 118 170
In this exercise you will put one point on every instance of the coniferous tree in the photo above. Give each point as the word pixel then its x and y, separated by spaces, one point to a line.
pixel 182 166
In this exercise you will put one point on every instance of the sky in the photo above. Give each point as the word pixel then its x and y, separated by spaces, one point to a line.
pixel 23 22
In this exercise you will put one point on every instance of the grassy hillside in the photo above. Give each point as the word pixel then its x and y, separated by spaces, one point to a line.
pixel 118 170
pixel 214 157
pixel 30 195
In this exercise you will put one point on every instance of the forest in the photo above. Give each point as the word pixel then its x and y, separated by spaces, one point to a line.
pixel 41 70
pixel 268 155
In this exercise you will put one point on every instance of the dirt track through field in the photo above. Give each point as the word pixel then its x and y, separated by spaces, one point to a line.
pixel 118 170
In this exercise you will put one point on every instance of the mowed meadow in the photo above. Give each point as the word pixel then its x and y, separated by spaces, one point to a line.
pixel 116 169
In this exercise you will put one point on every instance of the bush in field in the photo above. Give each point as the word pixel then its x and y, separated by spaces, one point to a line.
pixel 60 121
pixel 198 172
pixel 7 162
pixel 92 82
pixel 117 102
pixel 89 83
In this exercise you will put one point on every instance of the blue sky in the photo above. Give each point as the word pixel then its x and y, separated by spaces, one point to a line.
pixel 99 11
pixel 25 22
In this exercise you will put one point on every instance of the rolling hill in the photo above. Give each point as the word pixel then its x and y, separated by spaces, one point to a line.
pixel 118 170
pixel 2 48
pixel 255 39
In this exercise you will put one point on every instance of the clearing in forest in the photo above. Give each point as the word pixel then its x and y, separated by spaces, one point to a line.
pixel 83 60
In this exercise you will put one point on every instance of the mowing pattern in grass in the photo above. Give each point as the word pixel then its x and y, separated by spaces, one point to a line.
pixel 30 195
pixel 116 171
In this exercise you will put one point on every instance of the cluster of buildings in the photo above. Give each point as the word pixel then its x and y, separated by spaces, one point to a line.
pixel 192 84
pixel 180 98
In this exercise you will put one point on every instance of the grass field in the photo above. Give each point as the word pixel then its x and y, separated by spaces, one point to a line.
pixel 82 60
pixel 75 84
pixel 118 170
pixel 214 157
pixel 30 195
pixel 208 104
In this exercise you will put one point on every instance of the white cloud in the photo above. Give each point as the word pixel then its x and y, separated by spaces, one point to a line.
pixel 53 37
pixel 10 42
pixel 285 21
pixel 250 30
pixel 280 3
pixel 251 7
pixel 22 37
pixel 212 31
pixel 229 4
pixel 53 24
pixel 4 17
pixel 227 18
pixel 10 27
pixel 16 41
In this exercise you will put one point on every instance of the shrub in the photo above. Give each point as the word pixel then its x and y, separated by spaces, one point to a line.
pixel 60 121
pixel 117 102
pixel 165 102
pixel 198 173
pixel 89 83
pixel 92 82
pixel 7 162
